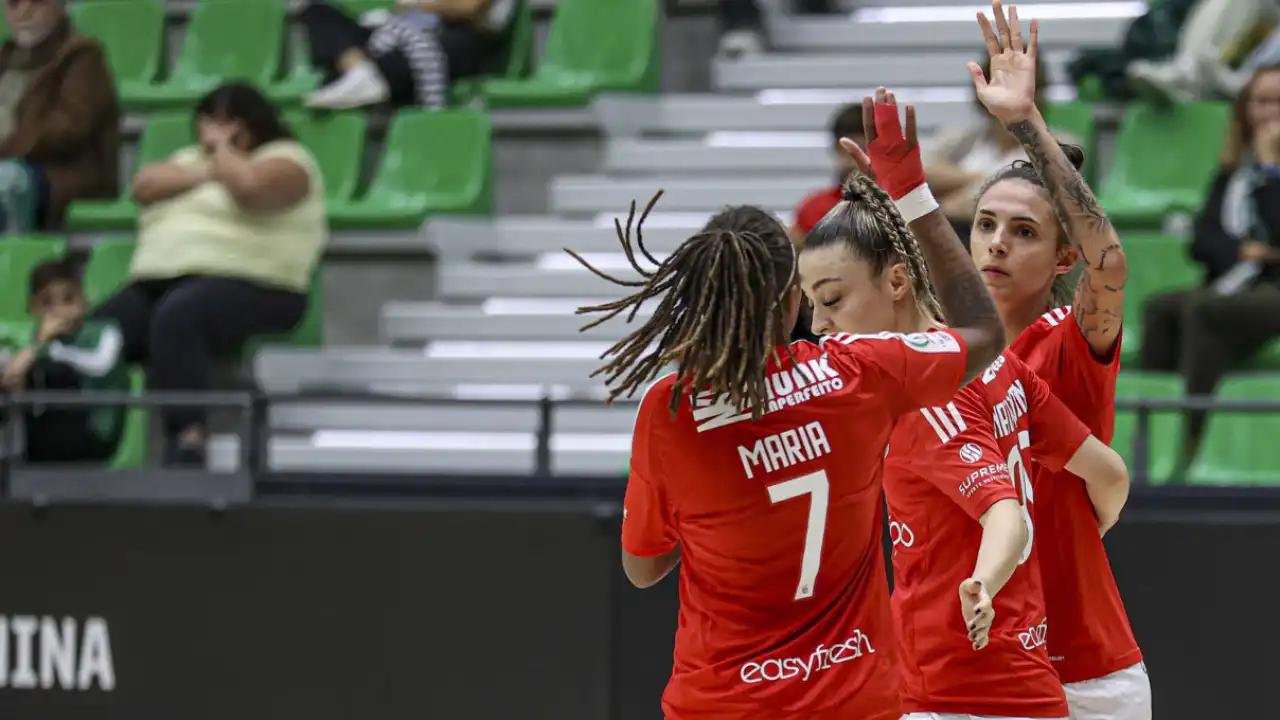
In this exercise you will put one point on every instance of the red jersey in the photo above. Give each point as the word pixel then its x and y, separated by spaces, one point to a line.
pixel 946 466
pixel 784 607
pixel 1091 635
pixel 815 206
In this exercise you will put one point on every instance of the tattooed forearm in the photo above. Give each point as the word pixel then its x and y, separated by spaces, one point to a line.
pixel 1099 321
pixel 966 304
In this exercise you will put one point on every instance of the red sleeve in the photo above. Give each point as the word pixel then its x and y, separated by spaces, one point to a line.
pixel 1056 433
pixel 956 450
pixel 914 370
pixel 647 522
pixel 813 208
pixel 1055 349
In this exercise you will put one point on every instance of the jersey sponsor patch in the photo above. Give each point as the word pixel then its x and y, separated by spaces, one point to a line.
pixel 971 453
pixel 934 342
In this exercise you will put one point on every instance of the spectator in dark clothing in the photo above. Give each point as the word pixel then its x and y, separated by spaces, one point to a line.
pixel 1205 332
pixel 68 352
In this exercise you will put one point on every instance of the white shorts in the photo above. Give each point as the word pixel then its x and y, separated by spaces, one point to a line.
pixel 1122 695
pixel 959 716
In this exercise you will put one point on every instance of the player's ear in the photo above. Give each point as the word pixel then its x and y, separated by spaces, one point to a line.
pixel 898 281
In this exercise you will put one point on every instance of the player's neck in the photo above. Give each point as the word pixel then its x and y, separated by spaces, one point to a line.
pixel 911 320
pixel 1019 316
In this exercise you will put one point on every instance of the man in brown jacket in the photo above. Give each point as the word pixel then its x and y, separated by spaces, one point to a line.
pixel 59 118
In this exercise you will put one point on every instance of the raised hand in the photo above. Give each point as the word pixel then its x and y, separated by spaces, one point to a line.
pixel 892 158
pixel 1010 93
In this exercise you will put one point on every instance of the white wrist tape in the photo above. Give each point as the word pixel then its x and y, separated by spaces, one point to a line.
pixel 916 204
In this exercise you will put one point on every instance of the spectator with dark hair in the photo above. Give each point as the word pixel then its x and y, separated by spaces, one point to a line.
pixel 228 235
pixel 59 120
pixel 846 123
pixel 1205 332
pixel 67 353
pixel 408 56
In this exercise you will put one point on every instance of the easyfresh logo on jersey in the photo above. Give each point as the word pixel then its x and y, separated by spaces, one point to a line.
pixel 983 477
pixel 1010 410
pixel 822 658
pixel 992 371
pixel 1034 637
pixel 784 389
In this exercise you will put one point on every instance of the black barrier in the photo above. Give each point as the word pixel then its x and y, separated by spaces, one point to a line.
pixel 460 613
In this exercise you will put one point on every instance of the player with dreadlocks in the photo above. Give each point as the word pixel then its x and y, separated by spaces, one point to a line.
pixel 959 497
pixel 756 465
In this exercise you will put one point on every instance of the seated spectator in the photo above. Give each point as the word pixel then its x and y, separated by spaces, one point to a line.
pixel 408 57
pixel 1205 332
pixel 1217 35
pixel 741 27
pixel 227 238
pixel 847 122
pixel 67 353
pixel 957 162
pixel 59 121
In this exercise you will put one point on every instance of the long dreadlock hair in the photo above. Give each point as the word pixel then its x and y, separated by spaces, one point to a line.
pixel 1064 286
pixel 720 313
pixel 867 222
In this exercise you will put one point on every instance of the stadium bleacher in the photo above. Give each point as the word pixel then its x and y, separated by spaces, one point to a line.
pixel 502 325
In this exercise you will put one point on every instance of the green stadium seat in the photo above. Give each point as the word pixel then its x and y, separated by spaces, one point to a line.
pixel 432 162
pixel 515 62
pixel 300 77
pixel 164 135
pixel 1157 264
pixel 1241 448
pixel 1164 436
pixel 356 8
pixel 592 47
pixel 310 332
pixel 107 269
pixel 337 141
pixel 226 39
pixel 132 34
pixel 1076 119
pixel 15 334
pixel 132 452
pixel 18 256
pixel 1165 160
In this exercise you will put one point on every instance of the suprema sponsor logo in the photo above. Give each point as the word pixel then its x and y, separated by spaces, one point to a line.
pixel 822 658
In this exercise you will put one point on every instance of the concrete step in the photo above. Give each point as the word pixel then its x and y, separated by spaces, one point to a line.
pixel 899 72
pixel 477 281
pixel 722 152
pixel 537 319
pixel 597 193
pixel 373 415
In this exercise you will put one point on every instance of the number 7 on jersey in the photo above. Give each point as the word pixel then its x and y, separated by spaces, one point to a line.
pixel 814 485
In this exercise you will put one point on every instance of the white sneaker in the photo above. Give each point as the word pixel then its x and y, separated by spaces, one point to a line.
pixel 1162 81
pixel 360 86
pixel 741 43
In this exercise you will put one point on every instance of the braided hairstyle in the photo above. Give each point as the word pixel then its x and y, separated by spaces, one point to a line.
pixel 1064 286
pixel 867 222
pixel 720 314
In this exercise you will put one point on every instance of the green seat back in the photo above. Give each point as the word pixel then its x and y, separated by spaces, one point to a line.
pixel 132 451
pixel 231 39
pixel 18 256
pixel 518 52
pixel 337 141
pixel 1164 429
pixel 164 135
pixel 131 33
pixel 1241 448
pixel 107 269
pixel 1157 264
pixel 610 43
pixel 443 154
pixel 1076 119
pixel 1164 160
pixel 356 8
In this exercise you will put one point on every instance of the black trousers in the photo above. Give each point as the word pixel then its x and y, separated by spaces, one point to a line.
pixel 1204 335
pixel 177 328
pixel 62 435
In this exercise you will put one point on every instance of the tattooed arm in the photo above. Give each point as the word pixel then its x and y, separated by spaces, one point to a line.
pixel 966 304
pixel 1099 301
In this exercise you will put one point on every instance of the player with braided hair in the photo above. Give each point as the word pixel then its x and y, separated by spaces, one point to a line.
pixel 756 466
pixel 1034 223
pixel 958 493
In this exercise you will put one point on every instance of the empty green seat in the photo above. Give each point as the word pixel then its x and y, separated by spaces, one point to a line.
pixel 228 39
pixel 1241 448
pixel 132 35
pixel 337 141
pixel 1076 119
pixel 432 162
pixel 1157 264
pixel 18 256
pixel 107 269
pixel 1164 429
pixel 164 135
pixel 592 47
pixel 1165 160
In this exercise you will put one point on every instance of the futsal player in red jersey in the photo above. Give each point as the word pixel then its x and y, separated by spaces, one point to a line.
pixel 959 494
pixel 756 466
pixel 1034 222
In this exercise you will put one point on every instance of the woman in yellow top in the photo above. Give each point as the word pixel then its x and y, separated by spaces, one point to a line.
pixel 227 237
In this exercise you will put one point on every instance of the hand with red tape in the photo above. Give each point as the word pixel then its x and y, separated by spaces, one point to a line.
pixel 893 157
